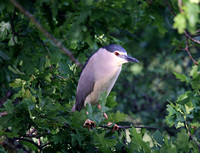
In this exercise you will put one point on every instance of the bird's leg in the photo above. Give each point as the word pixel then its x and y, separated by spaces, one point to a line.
pixel 104 114
pixel 115 127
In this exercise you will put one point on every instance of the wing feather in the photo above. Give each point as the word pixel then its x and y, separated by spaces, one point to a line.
pixel 85 85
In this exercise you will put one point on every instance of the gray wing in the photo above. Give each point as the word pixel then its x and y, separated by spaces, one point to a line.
pixel 85 85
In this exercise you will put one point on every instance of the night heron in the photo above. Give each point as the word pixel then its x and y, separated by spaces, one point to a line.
pixel 100 74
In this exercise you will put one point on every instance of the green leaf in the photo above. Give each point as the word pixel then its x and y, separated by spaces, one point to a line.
pixel 159 23
pixel 192 12
pixel 182 97
pixel 168 149
pixel 15 70
pixel 4 56
pixel 170 109
pixel 172 113
pixel 111 100
pixel 116 117
pixel 180 23
pixel 5 29
pixel 182 77
pixel 2 150
pixel 8 134
pixel 103 143
pixel 79 137
pixel 189 107
pixel 17 83
pixel 9 106
pixel 182 141
pixel 158 137
pixel 180 124
pixel 30 145
pixel 194 71
pixel 13 40
pixel 195 124
pixel 78 119
pixel 102 101
pixel 179 44
pixel 137 142
pixel 90 41
pixel 48 77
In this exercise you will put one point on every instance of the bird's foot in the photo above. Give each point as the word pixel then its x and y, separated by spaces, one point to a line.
pixel 99 106
pixel 89 124
pixel 104 114
pixel 114 128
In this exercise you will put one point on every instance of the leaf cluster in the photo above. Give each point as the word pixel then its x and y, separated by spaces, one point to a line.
pixel 38 82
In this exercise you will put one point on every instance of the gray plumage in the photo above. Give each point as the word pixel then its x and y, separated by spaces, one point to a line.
pixel 100 74
pixel 112 48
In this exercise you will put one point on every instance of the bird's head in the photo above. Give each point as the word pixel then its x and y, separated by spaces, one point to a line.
pixel 118 55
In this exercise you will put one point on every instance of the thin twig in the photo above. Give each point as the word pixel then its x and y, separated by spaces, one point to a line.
pixel 45 47
pixel 130 126
pixel 185 32
pixel 188 51
pixel 57 74
pixel 46 33
pixel 194 141
pixel 60 76
pixel 194 40
pixel 141 127
pixel 180 6
pixel 169 7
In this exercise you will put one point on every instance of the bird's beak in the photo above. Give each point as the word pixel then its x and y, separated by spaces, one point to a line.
pixel 130 59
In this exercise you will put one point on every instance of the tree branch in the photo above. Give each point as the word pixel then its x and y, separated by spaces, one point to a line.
pixel 46 33
pixel 195 141
pixel 169 7
pixel 129 126
pixel 194 40
pixel 185 32
pixel 188 51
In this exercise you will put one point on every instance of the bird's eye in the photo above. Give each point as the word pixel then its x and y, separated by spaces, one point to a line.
pixel 116 53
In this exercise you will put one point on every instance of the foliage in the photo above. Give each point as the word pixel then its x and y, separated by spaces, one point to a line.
pixel 38 82
pixel 188 16
pixel 185 112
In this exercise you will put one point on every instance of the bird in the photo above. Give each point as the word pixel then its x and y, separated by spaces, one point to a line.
pixel 99 75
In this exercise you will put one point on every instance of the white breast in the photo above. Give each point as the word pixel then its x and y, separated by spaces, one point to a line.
pixel 105 78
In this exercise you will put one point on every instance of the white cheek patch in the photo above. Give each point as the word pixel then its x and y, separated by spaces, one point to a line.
pixel 121 53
